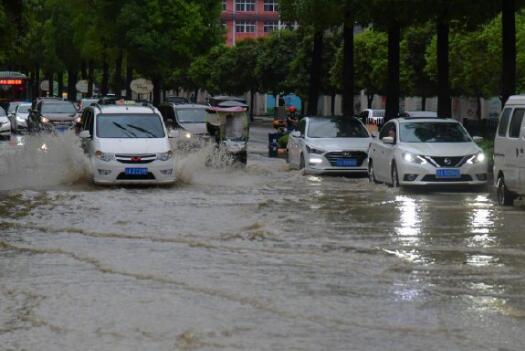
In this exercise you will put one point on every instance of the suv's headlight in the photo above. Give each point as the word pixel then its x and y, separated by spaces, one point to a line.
pixel 411 158
pixel 478 158
pixel 44 120
pixel 313 150
pixel 165 156
pixel 103 156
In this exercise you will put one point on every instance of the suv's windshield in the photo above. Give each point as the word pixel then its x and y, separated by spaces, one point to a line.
pixel 433 132
pixel 192 115
pixel 58 108
pixel 336 128
pixel 121 126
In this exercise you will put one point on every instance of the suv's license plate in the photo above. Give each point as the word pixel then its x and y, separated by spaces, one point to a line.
pixel 136 171
pixel 346 162
pixel 450 173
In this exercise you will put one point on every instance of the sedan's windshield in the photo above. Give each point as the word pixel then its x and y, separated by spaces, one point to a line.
pixel 59 108
pixel 192 115
pixel 23 109
pixel 336 128
pixel 12 107
pixel 120 126
pixel 2 112
pixel 433 132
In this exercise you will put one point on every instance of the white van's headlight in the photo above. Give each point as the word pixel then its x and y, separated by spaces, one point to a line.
pixel 478 158
pixel 411 158
pixel 104 156
pixel 165 156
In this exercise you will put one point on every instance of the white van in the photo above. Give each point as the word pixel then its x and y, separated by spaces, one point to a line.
pixel 509 152
pixel 127 145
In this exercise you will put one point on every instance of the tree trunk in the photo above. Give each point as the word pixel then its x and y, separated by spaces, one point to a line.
pixel 369 100
pixel 50 79
pixel 196 95
pixel 315 73
pixel 60 77
pixel 348 66
pixel 423 103
pixel 83 71
pixel 444 105
pixel 90 78
pixel 392 101
pixel 105 78
pixel 36 86
pixel 332 104
pixel 509 48
pixel 157 88
pixel 252 104
pixel 129 78
pixel 71 85
pixel 118 73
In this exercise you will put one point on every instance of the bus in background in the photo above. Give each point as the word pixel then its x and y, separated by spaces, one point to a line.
pixel 14 86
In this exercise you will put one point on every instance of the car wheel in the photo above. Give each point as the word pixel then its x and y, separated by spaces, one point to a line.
pixel 395 176
pixel 505 197
pixel 301 162
pixel 371 173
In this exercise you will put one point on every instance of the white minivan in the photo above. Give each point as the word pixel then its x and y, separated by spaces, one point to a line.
pixel 509 152
pixel 127 144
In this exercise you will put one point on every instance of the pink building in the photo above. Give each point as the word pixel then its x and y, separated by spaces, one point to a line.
pixel 249 19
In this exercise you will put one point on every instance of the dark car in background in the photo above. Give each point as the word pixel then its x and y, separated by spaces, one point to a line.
pixel 52 115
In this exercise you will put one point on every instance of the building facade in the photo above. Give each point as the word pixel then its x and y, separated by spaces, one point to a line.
pixel 252 19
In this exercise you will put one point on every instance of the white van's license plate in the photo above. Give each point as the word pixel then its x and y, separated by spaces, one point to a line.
pixel 136 171
pixel 448 173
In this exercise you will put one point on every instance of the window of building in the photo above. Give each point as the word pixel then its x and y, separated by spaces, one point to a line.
pixel 244 5
pixel 245 26
pixel 271 5
pixel 270 26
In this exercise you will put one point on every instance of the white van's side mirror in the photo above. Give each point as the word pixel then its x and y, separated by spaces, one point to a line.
pixel 174 133
pixel 388 140
pixel 85 134
pixel 477 139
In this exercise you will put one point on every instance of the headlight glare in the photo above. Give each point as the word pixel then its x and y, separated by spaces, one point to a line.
pixel 44 120
pixel 478 158
pixel 411 158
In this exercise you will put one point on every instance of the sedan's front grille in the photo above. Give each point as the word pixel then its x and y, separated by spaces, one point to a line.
pixel 360 156
pixel 135 159
pixel 452 161
pixel 433 178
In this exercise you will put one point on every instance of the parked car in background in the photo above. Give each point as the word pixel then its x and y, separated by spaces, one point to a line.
pixel 127 144
pixel 509 152
pixel 20 116
pixel 5 124
pixel 426 151
pixel 329 145
pixel 418 114
pixel 83 103
pixel 177 100
pixel 52 115
pixel 372 116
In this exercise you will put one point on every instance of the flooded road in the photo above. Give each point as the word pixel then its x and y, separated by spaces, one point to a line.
pixel 256 259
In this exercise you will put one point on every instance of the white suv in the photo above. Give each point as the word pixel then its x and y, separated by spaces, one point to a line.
pixel 509 152
pixel 426 151
pixel 127 145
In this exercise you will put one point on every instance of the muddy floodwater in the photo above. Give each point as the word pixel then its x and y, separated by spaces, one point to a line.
pixel 261 258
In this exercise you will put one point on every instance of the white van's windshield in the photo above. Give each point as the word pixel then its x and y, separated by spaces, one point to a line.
pixel 133 126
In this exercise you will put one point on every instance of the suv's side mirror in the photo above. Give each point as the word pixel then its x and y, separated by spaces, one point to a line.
pixel 477 139
pixel 85 134
pixel 389 140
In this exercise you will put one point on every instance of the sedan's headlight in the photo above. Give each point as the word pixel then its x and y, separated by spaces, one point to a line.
pixel 165 156
pixel 313 150
pixel 478 158
pixel 411 158
pixel 187 135
pixel 44 120
pixel 78 120
pixel 104 156
pixel 20 119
